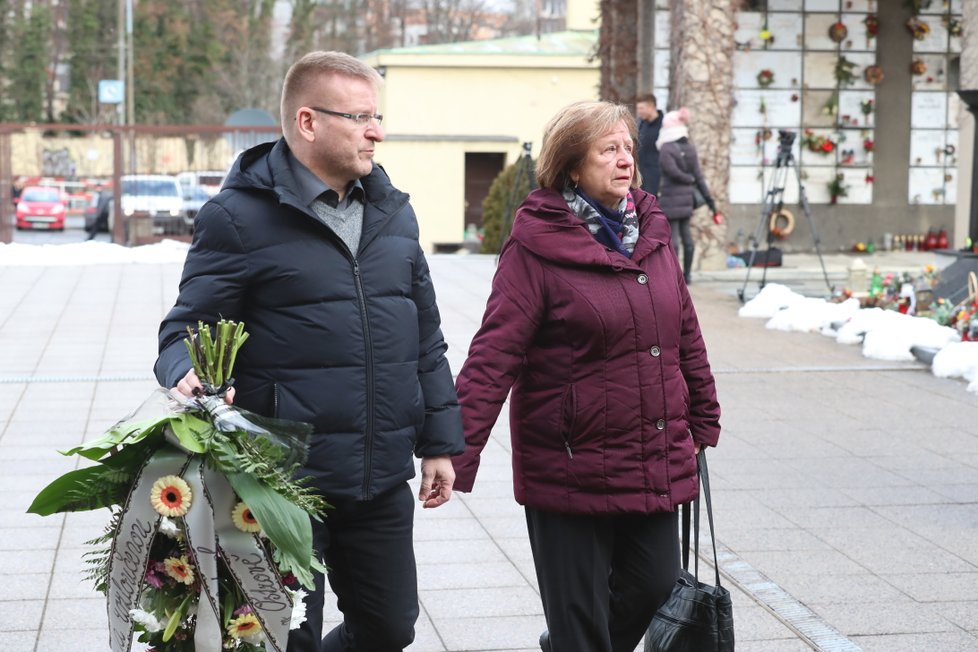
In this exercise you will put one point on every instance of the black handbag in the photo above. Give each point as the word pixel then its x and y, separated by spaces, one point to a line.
pixel 697 617
pixel 698 198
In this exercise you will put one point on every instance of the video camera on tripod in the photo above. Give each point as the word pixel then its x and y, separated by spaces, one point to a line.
pixel 773 208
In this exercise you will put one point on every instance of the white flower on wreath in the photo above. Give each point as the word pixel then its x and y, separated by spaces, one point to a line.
pixel 298 608
pixel 170 528
pixel 151 623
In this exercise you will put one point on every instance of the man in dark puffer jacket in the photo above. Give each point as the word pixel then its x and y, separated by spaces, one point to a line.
pixel 310 245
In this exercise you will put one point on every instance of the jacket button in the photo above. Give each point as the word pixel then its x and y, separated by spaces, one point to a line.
pixel 655 351
pixel 660 424
pixel 643 279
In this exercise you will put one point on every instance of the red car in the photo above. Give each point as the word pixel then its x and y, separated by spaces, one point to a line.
pixel 40 207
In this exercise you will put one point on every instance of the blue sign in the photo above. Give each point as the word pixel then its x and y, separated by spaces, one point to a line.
pixel 111 91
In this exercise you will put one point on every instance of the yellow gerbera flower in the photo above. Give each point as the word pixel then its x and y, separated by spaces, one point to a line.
pixel 244 520
pixel 244 626
pixel 171 496
pixel 179 568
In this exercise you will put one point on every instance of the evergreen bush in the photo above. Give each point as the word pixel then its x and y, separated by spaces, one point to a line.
pixel 506 193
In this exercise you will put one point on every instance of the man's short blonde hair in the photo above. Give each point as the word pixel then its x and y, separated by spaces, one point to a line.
pixel 313 67
pixel 571 132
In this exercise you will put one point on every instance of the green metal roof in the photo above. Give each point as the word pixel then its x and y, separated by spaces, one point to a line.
pixel 569 43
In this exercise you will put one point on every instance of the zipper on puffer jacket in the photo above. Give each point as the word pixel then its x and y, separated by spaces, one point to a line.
pixel 275 400
pixel 568 412
pixel 368 444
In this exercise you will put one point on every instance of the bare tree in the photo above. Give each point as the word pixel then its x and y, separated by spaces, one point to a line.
pixel 450 21
pixel 618 50
pixel 701 78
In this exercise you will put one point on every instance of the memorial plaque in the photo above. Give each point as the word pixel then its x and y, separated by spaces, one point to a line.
pixel 858 191
pixel 822 5
pixel 817 185
pixel 745 185
pixel 851 108
pixel 817 32
pixel 779 109
pixel 926 147
pixel 744 146
pixel 819 69
pixel 815 109
pixel 786 67
pixel 749 26
pixel 819 157
pixel 787 30
pixel 936 38
pixel 928 109
pixel 935 76
pixel 926 186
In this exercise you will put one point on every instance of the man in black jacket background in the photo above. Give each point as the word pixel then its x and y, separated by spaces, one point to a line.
pixel 310 245
pixel 649 124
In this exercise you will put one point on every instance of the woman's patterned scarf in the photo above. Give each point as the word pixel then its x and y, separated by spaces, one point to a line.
pixel 616 230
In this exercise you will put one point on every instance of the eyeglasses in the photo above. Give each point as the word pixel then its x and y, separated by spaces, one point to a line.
pixel 360 119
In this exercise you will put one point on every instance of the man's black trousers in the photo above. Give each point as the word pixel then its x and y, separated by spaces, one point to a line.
pixel 368 548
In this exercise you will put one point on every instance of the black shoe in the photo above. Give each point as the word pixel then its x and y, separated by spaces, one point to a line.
pixel 545 641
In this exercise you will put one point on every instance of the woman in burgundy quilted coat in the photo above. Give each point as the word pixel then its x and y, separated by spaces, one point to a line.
pixel 591 326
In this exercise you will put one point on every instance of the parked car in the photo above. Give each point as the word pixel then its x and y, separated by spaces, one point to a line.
pixel 41 207
pixel 193 198
pixel 209 180
pixel 156 196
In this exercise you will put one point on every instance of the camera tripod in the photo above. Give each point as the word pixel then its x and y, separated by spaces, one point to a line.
pixel 774 204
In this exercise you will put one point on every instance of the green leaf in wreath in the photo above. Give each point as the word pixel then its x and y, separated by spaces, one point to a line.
pixel 93 487
pixel 286 525
pixel 128 433
pixel 191 431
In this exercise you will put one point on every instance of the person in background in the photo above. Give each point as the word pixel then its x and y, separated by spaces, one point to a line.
pixel 103 203
pixel 681 174
pixel 649 124
pixel 590 325
pixel 311 246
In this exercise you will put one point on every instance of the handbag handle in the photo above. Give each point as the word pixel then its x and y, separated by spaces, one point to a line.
pixel 703 476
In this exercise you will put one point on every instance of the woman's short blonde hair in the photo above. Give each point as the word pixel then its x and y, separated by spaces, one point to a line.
pixel 570 133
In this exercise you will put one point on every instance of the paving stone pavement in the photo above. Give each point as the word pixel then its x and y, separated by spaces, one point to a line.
pixel 845 489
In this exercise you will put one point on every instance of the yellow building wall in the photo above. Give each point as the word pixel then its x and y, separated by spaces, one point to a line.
pixel 433 173
pixel 481 101
pixel 433 115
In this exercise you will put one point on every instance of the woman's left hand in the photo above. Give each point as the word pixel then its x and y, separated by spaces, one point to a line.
pixel 696 448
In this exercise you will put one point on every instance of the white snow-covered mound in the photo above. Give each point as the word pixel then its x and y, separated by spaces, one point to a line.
pixel 772 298
pixel 958 360
pixel 92 253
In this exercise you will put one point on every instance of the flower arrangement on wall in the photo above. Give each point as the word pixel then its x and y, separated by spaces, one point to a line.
pixel 872 24
pixel 873 74
pixel 817 143
pixel 838 31
pixel 918 28
pixel 844 75
pixel 765 78
pixel 838 188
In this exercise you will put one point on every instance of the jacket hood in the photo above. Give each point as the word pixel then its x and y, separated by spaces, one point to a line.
pixel 265 167
pixel 546 226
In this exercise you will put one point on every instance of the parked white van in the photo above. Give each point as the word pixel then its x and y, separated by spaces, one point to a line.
pixel 154 195
pixel 209 180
